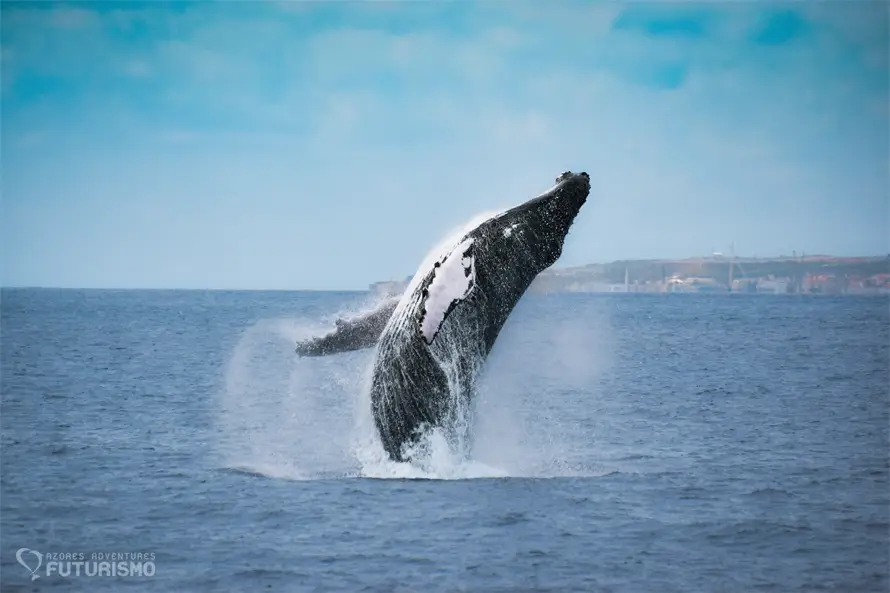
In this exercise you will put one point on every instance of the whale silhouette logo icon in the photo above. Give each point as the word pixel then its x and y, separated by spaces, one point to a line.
pixel 20 557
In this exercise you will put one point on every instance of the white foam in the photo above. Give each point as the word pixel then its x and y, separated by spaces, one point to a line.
pixel 454 280
pixel 431 459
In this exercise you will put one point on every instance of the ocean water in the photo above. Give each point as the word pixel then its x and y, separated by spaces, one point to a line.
pixel 623 443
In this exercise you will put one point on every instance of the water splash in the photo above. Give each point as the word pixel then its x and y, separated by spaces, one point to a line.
pixel 279 415
pixel 309 418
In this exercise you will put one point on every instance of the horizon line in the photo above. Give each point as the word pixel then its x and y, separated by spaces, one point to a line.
pixel 725 258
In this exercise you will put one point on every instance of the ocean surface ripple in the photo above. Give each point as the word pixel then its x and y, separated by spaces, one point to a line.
pixel 622 443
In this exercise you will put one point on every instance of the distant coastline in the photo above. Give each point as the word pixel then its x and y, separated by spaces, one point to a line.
pixel 716 274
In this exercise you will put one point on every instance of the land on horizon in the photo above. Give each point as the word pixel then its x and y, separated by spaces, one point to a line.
pixel 778 274
pixel 717 273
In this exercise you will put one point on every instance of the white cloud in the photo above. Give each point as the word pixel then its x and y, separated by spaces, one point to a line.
pixel 137 68
pixel 294 6
pixel 32 139
pixel 587 19
pixel 72 18
pixel 431 127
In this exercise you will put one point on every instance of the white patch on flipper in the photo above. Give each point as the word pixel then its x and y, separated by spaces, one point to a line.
pixel 453 281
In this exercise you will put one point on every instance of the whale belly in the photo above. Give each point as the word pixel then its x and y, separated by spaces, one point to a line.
pixel 417 386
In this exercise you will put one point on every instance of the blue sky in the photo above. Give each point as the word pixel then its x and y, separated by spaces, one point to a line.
pixel 331 144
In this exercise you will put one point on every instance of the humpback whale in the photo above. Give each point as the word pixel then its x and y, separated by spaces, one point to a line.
pixel 433 341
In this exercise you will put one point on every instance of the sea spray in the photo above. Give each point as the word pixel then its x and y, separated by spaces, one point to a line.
pixel 288 417
pixel 561 345
pixel 281 416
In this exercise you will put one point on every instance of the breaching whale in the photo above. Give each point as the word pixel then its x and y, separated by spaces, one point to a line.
pixel 433 341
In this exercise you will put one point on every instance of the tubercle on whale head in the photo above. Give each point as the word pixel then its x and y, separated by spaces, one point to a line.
pixel 568 175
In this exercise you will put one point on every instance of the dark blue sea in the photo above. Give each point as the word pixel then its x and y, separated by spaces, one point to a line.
pixel 623 443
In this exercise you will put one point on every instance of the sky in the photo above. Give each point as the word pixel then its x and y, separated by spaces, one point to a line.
pixel 328 145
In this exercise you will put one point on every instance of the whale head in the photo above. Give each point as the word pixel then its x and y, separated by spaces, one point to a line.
pixel 536 230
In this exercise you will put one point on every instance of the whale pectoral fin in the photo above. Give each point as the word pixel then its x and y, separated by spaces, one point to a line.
pixel 350 334
pixel 451 282
pixel 428 332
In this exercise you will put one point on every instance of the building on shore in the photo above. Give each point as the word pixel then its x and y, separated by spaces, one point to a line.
pixel 773 285
pixel 677 283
